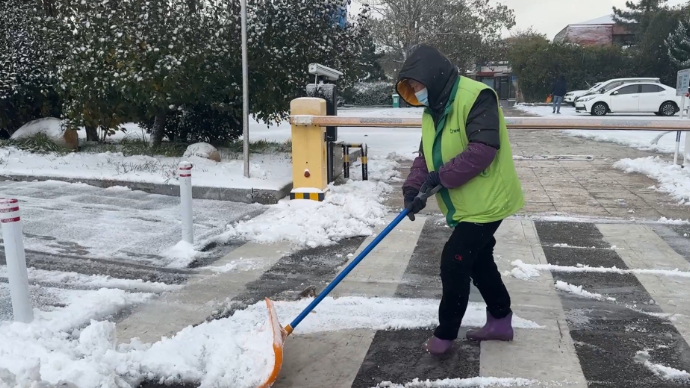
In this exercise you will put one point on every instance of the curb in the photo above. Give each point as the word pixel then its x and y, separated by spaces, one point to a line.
pixel 262 196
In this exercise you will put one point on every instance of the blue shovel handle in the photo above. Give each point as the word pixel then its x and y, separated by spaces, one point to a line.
pixel 289 328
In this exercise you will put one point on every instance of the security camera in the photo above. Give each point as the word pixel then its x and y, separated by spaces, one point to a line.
pixel 323 71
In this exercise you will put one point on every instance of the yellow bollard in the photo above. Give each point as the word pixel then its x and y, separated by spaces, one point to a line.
pixel 309 165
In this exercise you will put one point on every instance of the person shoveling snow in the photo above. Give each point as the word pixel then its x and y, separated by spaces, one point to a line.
pixel 465 148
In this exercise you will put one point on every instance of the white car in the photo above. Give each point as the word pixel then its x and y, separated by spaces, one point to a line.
pixel 611 84
pixel 642 97
pixel 570 97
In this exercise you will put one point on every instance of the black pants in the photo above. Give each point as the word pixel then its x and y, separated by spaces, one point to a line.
pixel 469 253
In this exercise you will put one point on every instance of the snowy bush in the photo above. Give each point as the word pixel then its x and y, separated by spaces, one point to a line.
pixel 370 94
pixel 26 66
pixel 173 63
pixel 537 62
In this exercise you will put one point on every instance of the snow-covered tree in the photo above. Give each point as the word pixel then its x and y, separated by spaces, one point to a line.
pixel 26 71
pixel 461 29
pixel 637 15
pixel 678 43
pixel 171 59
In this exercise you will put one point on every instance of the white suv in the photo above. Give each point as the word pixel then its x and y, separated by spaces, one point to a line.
pixel 571 96
pixel 611 84
pixel 641 97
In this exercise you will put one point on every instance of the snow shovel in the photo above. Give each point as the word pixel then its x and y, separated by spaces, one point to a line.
pixel 280 333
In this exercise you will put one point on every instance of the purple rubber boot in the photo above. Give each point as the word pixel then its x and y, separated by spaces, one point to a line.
pixel 494 330
pixel 437 347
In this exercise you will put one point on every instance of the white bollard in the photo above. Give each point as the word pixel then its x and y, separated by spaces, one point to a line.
pixel 185 177
pixel 16 260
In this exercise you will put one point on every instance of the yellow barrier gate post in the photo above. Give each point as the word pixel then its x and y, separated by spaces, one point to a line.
pixel 309 164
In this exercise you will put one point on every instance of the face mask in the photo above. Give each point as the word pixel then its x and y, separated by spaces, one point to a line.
pixel 423 97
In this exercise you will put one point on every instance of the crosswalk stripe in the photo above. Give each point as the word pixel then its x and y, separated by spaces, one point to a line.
pixel 641 248
pixel 333 359
pixel 195 302
pixel 547 355
pixel 381 272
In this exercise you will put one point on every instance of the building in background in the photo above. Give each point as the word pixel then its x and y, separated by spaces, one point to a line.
pixel 596 32
pixel 497 75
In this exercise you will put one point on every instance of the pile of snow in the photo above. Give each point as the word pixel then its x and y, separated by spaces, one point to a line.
pixel 90 357
pixel 181 255
pixel 50 127
pixel 665 372
pixel 671 221
pixel 202 150
pixel 474 382
pixel 577 290
pixel 349 210
pixel 673 180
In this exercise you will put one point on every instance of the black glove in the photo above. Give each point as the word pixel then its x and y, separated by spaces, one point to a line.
pixel 413 203
pixel 432 180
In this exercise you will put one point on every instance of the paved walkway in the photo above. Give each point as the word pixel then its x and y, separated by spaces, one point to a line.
pixel 579 188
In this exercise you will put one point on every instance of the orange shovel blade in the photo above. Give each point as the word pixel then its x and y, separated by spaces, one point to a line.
pixel 279 335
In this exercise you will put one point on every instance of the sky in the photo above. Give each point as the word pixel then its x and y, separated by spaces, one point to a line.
pixel 551 16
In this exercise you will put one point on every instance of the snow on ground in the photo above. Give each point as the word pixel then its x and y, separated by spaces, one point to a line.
pixel 379 169
pixel 379 314
pixel 90 357
pixel 91 281
pixel 350 210
pixel 67 347
pixel 525 271
pixel 268 171
pixel 665 372
pixel 382 142
pixel 86 221
pixel 673 180
pixel 474 382
pixel 577 290
pixel 641 140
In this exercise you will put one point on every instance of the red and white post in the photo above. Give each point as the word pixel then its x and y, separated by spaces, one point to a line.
pixel 185 177
pixel 16 260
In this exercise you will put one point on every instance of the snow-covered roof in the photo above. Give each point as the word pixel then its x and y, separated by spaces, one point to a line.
pixel 608 19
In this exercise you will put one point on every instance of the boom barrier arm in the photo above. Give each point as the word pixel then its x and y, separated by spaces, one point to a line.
pixel 544 123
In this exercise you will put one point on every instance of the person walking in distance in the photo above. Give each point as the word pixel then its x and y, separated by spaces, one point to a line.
pixel 558 91
pixel 465 149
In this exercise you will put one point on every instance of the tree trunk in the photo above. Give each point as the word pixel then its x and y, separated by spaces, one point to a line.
pixel 91 133
pixel 158 129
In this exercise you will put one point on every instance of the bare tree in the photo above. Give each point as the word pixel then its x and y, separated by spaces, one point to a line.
pixel 465 30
